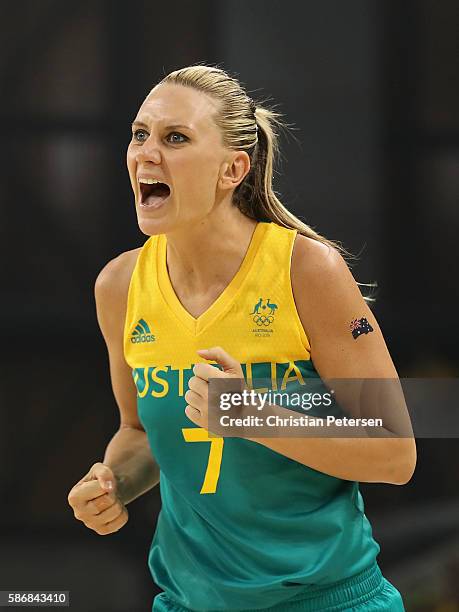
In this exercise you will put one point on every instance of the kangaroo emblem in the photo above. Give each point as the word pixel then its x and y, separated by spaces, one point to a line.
pixel 272 306
pixel 257 306
pixel 263 313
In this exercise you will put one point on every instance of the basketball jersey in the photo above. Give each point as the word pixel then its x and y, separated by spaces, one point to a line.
pixel 241 526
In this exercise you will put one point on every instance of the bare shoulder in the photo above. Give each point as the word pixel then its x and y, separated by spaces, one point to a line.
pixel 314 262
pixel 114 278
pixel 323 287
pixel 111 291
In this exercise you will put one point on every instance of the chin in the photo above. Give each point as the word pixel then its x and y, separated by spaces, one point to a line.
pixel 151 226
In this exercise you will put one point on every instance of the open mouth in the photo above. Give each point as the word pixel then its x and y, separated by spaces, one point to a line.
pixel 153 195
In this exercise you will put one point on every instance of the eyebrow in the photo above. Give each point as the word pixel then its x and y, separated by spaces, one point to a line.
pixel 167 127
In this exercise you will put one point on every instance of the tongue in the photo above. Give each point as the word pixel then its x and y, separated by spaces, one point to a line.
pixel 153 195
pixel 151 200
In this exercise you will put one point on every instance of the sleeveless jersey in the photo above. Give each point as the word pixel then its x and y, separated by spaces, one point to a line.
pixel 241 526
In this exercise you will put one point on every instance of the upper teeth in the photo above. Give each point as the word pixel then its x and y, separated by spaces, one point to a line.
pixel 148 181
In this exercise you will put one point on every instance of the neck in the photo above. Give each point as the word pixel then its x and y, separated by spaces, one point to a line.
pixel 203 258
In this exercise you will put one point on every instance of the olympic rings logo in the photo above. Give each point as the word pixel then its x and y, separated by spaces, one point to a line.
pixel 263 320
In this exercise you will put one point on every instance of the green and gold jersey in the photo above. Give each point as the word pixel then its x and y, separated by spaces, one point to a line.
pixel 241 526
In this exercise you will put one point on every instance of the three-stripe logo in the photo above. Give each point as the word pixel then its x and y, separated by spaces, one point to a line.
pixel 142 333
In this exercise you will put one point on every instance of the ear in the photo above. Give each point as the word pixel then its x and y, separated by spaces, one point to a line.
pixel 234 170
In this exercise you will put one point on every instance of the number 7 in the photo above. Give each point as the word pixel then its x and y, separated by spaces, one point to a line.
pixel 197 434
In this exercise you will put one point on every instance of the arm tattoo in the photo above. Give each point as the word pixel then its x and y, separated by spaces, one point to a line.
pixel 360 326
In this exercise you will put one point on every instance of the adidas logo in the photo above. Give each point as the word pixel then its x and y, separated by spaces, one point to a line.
pixel 142 333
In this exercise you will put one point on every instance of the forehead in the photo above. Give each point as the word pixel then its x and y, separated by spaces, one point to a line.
pixel 178 104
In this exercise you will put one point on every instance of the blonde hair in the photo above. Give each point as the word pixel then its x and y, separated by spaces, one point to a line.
pixel 252 127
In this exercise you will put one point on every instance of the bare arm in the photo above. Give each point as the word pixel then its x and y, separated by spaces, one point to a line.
pixel 128 453
pixel 328 299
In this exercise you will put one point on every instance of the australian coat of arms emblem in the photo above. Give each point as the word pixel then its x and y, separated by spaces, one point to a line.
pixel 263 312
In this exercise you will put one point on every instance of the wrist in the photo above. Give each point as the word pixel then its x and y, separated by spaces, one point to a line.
pixel 122 486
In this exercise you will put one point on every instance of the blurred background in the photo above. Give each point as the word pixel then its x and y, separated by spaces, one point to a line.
pixel 373 90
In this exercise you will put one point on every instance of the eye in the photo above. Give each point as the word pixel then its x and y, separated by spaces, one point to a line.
pixel 140 135
pixel 177 134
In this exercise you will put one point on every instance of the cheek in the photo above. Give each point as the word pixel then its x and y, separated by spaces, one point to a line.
pixel 132 167
pixel 130 160
pixel 203 175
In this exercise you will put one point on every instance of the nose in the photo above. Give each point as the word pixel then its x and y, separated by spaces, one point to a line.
pixel 148 152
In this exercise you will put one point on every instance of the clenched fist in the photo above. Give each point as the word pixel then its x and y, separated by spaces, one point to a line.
pixel 95 501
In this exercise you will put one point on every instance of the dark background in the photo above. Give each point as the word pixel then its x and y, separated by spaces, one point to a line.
pixel 373 88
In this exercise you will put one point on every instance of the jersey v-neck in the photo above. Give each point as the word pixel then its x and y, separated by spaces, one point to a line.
pixel 197 325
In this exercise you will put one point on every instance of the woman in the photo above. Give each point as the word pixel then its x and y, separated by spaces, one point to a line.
pixel 229 275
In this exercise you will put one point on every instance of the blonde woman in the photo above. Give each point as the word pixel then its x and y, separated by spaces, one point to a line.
pixel 228 275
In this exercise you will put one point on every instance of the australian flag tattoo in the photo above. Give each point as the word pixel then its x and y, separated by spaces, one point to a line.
pixel 360 326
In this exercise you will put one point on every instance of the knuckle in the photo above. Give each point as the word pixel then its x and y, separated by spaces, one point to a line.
pixel 105 469
pixel 119 511
pixel 98 527
pixel 78 511
pixel 114 512
pixel 108 529
pixel 100 469
pixel 109 501
pixel 98 504
pixel 71 497
pixel 104 502
pixel 88 521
